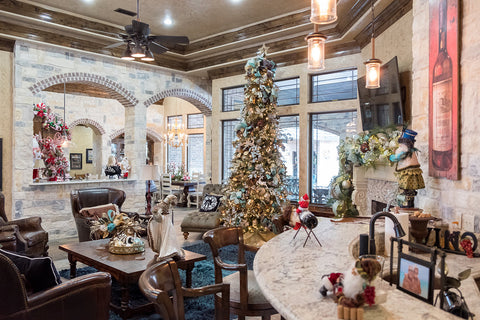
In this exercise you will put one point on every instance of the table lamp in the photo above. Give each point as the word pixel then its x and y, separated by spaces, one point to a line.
pixel 149 173
pixel 38 164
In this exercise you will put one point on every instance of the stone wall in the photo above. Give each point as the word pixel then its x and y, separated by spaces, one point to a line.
pixel 451 200
pixel 133 87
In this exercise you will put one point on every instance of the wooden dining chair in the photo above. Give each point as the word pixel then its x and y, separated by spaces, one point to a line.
pixel 195 197
pixel 166 186
pixel 161 284
pixel 246 298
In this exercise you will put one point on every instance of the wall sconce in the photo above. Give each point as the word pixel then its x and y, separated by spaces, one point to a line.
pixel 373 64
pixel 316 50
pixel 323 11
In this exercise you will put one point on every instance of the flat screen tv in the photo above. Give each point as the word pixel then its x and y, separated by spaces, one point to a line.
pixel 382 107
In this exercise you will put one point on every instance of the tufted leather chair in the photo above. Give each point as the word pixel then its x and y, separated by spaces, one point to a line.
pixel 24 235
pixel 84 198
pixel 85 297
pixel 198 221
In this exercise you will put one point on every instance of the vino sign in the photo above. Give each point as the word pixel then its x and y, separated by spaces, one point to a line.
pixel 443 89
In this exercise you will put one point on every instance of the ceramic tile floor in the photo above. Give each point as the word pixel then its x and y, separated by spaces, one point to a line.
pixel 61 262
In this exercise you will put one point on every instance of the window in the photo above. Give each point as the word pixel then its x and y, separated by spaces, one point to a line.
pixel 232 98
pixel 228 136
pixel 195 121
pixel 338 85
pixel 174 155
pixel 290 131
pixel 326 130
pixel 171 120
pixel 289 91
pixel 195 153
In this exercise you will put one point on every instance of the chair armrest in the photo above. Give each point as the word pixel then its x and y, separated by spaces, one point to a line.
pixel 29 223
pixel 232 267
pixel 98 281
pixel 224 288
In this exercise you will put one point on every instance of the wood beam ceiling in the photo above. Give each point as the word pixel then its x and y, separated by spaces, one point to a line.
pixel 218 55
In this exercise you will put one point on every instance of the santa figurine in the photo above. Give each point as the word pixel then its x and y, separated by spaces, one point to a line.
pixel 307 218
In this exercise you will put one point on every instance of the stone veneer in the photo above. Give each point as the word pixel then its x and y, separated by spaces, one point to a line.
pixel 134 85
pixel 451 200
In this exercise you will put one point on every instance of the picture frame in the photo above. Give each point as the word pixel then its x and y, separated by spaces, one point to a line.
pixel 415 277
pixel 75 161
pixel 89 155
pixel 443 89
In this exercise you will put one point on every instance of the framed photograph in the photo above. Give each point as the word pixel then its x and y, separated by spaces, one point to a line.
pixel 443 88
pixel 89 156
pixel 75 161
pixel 416 277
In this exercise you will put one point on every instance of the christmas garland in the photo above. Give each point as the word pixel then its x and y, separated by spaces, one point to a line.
pixel 364 149
pixel 50 120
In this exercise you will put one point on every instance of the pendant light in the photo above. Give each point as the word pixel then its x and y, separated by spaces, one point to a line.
pixel 373 64
pixel 138 51
pixel 148 55
pixel 127 55
pixel 323 11
pixel 316 50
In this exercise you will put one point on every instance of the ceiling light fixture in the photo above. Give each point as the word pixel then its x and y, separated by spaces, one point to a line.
pixel 127 55
pixel 138 51
pixel 167 21
pixel 316 50
pixel 323 11
pixel 175 136
pixel 148 55
pixel 373 65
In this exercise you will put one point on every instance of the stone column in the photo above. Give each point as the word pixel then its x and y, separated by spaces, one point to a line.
pixel 135 137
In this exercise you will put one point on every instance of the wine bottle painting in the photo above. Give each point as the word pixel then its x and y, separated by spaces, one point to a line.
pixel 443 89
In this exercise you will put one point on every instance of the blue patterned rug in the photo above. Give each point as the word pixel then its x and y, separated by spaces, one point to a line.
pixel 201 308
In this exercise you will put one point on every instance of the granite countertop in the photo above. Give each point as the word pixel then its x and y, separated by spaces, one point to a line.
pixel 289 276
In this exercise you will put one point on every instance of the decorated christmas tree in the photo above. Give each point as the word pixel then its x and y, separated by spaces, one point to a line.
pixel 255 190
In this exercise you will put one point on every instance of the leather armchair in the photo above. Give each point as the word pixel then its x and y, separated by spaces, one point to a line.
pixel 30 237
pixel 84 198
pixel 85 297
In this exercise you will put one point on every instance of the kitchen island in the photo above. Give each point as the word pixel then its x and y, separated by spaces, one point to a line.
pixel 289 276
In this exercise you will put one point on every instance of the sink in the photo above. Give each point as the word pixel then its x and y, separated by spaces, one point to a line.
pixel 379 244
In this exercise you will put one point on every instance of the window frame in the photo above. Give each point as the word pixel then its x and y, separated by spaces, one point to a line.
pixel 192 114
pixel 298 89
pixel 203 151
pixel 223 147
pixel 311 76
pixel 223 97
pixel 310 153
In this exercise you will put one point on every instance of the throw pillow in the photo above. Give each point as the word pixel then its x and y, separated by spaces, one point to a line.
pixel 98 211
pixel 210 203
pixel 40 273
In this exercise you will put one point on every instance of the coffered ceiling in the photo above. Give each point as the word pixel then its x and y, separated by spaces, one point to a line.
pixel 223 33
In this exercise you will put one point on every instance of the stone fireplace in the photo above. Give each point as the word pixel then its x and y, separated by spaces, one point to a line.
pixel 374 188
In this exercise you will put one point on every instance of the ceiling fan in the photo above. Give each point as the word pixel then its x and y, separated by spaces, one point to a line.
pixel 140 44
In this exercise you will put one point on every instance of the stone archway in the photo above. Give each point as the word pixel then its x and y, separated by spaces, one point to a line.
pixel 202 103
pixel 116 91
pixel 96 127
pixel 150 133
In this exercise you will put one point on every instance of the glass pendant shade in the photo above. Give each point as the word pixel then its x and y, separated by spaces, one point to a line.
pixel 372 73
pixel 137 51
pixel 148 55
pixel 323 11
pixel 316 51
pixel 127 55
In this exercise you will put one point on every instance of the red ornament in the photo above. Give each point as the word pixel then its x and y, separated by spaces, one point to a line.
pixel 364 147
pixel 369 295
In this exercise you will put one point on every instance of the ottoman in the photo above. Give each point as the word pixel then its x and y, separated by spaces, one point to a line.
pixel 200 222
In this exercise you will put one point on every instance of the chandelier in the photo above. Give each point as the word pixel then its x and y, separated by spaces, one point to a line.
pixel 176 134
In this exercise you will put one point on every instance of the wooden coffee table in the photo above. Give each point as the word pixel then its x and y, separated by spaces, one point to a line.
pixel 126 269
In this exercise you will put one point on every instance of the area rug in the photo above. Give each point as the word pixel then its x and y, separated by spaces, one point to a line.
pixel 201 308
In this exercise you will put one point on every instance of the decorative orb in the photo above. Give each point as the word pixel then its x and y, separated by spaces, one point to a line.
pixel 346 184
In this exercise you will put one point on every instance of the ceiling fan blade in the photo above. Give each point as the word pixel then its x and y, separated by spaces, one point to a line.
pixel 170 39
pixel 140 28
pixel 157 48
pixel 114 45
